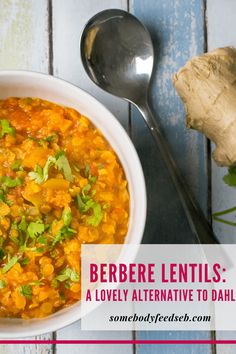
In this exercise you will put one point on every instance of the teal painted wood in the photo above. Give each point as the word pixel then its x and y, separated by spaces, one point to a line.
pixel 177 28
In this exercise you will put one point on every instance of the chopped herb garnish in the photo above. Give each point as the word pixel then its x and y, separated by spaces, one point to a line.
pixel 10 264
pixel 54 283
pixel 42 239
pixel 86 203
pixel 68 274
pixel 67 216
pixel 6 128
pixel 10 182
pixel 92 179
pixel 87 171
pixel 63 164
pixel 2 254
pixel 23 224
pixel 14 239
pixel 3 197
pixel 40 174
pixel 26 290
pixel 97 216
pixel 3 284
pixel 65 233
pixel 86 189
pixel 35 229
pixel 36 283
pixel 67 284
pixel 62 295
pixel 39 250
pixel 37 174
pixel 62 277
pixel 60 161
pixel 48 139
pixel 16 165
pixel 105 206
pixel 24 261
pixel 87 174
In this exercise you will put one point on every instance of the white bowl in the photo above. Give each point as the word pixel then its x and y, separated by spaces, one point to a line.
pixel 31 84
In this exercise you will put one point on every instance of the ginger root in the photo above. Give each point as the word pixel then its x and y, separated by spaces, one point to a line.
pixel 207 86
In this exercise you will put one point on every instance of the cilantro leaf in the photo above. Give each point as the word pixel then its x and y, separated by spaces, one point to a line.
pixel 40 174
pixel 35 229
pixel 23 224
pixel 60 161
pixel 2 253
pixel 87 174
pixel 85 203
pixel 2 284
pixel 97 216
pixel 3 197
pixel 65 233
pixel 50 162
pixel 87 171
pixel 86 189
pixel 68 274
pixel 16 165
pixel 37 174
pixel 48 139
pixel 6 128
pixel 10 182
pixel 10 264
pixel 26 290
pixel 1 241
pixel 39 250
pixel 42 240
pixel 92 179
pixel 36 283
pixel 62 277
pixel 63 164
pixel 24 261
pixel 67 216
pixel 230 177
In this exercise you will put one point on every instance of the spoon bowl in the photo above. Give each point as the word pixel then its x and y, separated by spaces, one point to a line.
pixel 117 54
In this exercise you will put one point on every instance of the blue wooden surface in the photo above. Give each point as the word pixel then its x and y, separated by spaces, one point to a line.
pixel 177 29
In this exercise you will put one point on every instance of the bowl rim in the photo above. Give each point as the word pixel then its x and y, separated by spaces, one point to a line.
pixel 55 325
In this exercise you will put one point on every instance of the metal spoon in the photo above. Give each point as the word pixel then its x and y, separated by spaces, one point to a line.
pixel 117 54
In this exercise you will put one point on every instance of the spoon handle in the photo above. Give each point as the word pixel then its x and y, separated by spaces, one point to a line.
pixel 197 221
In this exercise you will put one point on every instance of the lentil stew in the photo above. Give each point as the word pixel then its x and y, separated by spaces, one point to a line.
pixel 61 185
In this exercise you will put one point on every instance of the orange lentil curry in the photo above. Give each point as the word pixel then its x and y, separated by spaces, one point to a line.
pixel 61 185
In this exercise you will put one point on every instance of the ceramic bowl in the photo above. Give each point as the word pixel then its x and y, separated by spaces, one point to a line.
pixel 31 84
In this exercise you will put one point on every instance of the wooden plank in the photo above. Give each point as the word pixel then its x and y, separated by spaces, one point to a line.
pixel 28 348
pixel 69 18
pixel 24 45
pixel 74 332
pixel 177 28
pixel 221 32
pixel 24 35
